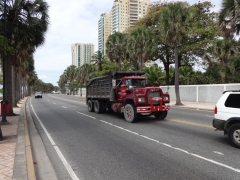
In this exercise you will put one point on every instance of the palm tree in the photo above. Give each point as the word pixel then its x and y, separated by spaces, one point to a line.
pixel 80 78
pixel 26 24
pixel 62 83
pixel 141 43
pixel 116 48
pixel 70 74
pixel 31 80
pixel 98 59
pixel 222 52
pixel 86 71
pixel 174 28
pixel 154 75
pixel 229 17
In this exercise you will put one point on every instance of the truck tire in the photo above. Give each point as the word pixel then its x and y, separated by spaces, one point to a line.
pixel 234 135
pixel 130 113
pixel 90 106
pixel 161 115
pixel 97 106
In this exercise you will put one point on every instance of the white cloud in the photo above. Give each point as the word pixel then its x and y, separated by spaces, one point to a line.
pixel 70 22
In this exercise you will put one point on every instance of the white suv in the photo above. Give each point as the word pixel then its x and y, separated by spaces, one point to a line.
pixel 227 115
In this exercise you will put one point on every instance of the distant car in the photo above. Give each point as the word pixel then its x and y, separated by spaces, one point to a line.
pixel 38 95
pixel 53 92
pixel 57 92
pixel 227 115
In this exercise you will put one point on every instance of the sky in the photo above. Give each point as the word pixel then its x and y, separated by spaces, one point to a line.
pixel 72 21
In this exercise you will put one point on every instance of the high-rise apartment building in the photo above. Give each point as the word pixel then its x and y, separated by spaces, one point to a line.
pixel 82 53
pixel 125 12
pixel 104 30
pixel 122 16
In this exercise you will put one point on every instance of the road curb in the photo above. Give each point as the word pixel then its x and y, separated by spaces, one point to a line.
pixel 23 163
pixel 29 156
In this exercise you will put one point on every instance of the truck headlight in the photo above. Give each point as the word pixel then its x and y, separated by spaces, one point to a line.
pixel 141 99
pixel 165 98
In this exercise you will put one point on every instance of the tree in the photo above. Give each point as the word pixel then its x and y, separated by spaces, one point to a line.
pixel 174 27
pixel 154 74
pixel 203 31
pixel 222 52
pixel 229 17
pixel 185 74
pixel 141 44
pixel 116 47
pixel 98 59
pixel 26 24
pixel 71 73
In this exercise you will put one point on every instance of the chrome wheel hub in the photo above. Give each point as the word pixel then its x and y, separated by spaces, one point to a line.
pixel 236 135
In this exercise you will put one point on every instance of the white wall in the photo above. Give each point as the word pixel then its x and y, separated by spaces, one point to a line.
pixel 200 93
pixel 195 93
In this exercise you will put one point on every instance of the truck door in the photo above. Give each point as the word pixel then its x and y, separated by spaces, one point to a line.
pixel 120 90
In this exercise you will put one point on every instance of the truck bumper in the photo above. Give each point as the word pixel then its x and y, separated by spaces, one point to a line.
pixel 151 109
pixel 218 124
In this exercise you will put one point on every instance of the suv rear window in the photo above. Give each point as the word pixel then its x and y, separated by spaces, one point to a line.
pixel 233 101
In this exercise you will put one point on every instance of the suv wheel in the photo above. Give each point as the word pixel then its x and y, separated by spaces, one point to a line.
pixel 234 134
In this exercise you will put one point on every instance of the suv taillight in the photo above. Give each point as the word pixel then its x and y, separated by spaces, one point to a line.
pixel 215 110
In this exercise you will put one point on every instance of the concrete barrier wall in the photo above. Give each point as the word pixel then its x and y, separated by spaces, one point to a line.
pixel 200 93
pixel 83 92
pixel 195 93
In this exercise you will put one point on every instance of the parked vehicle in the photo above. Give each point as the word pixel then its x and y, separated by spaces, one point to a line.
pixel 127 93
pixel 227 116
pixel 38 95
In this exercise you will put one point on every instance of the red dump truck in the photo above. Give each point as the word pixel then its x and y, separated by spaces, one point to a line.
pixel 127 93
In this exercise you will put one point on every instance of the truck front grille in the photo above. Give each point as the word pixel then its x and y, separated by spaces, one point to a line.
pixel 153 94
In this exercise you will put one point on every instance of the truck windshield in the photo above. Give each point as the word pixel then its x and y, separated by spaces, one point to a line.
pixel 136 82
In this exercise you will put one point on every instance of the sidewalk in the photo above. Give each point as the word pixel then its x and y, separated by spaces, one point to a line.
pixel 8 144
pixel 13 153
pixel 195 105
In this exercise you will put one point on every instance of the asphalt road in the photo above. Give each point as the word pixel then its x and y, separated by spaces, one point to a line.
pixel 85 145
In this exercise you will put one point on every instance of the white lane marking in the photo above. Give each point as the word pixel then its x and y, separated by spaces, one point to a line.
pixel 219 153
pixel 64 107
pixel 209 116
pixel 62 158
pixel 54 103
pixel 86 115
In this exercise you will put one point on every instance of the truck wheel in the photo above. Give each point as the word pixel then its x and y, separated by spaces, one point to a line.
pixel 234 135
pixel 90 106
pixel 97 106
pixel 130 113
pixel 160 115
pixel 165 114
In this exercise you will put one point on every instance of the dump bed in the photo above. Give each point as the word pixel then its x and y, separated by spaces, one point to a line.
pixel 99 87
pixel 103 87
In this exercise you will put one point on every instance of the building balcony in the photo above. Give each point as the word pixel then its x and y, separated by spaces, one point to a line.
pixel 133 5
pixel 133 11
pixel 133 8
pixel 133 15
pixel 133 2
